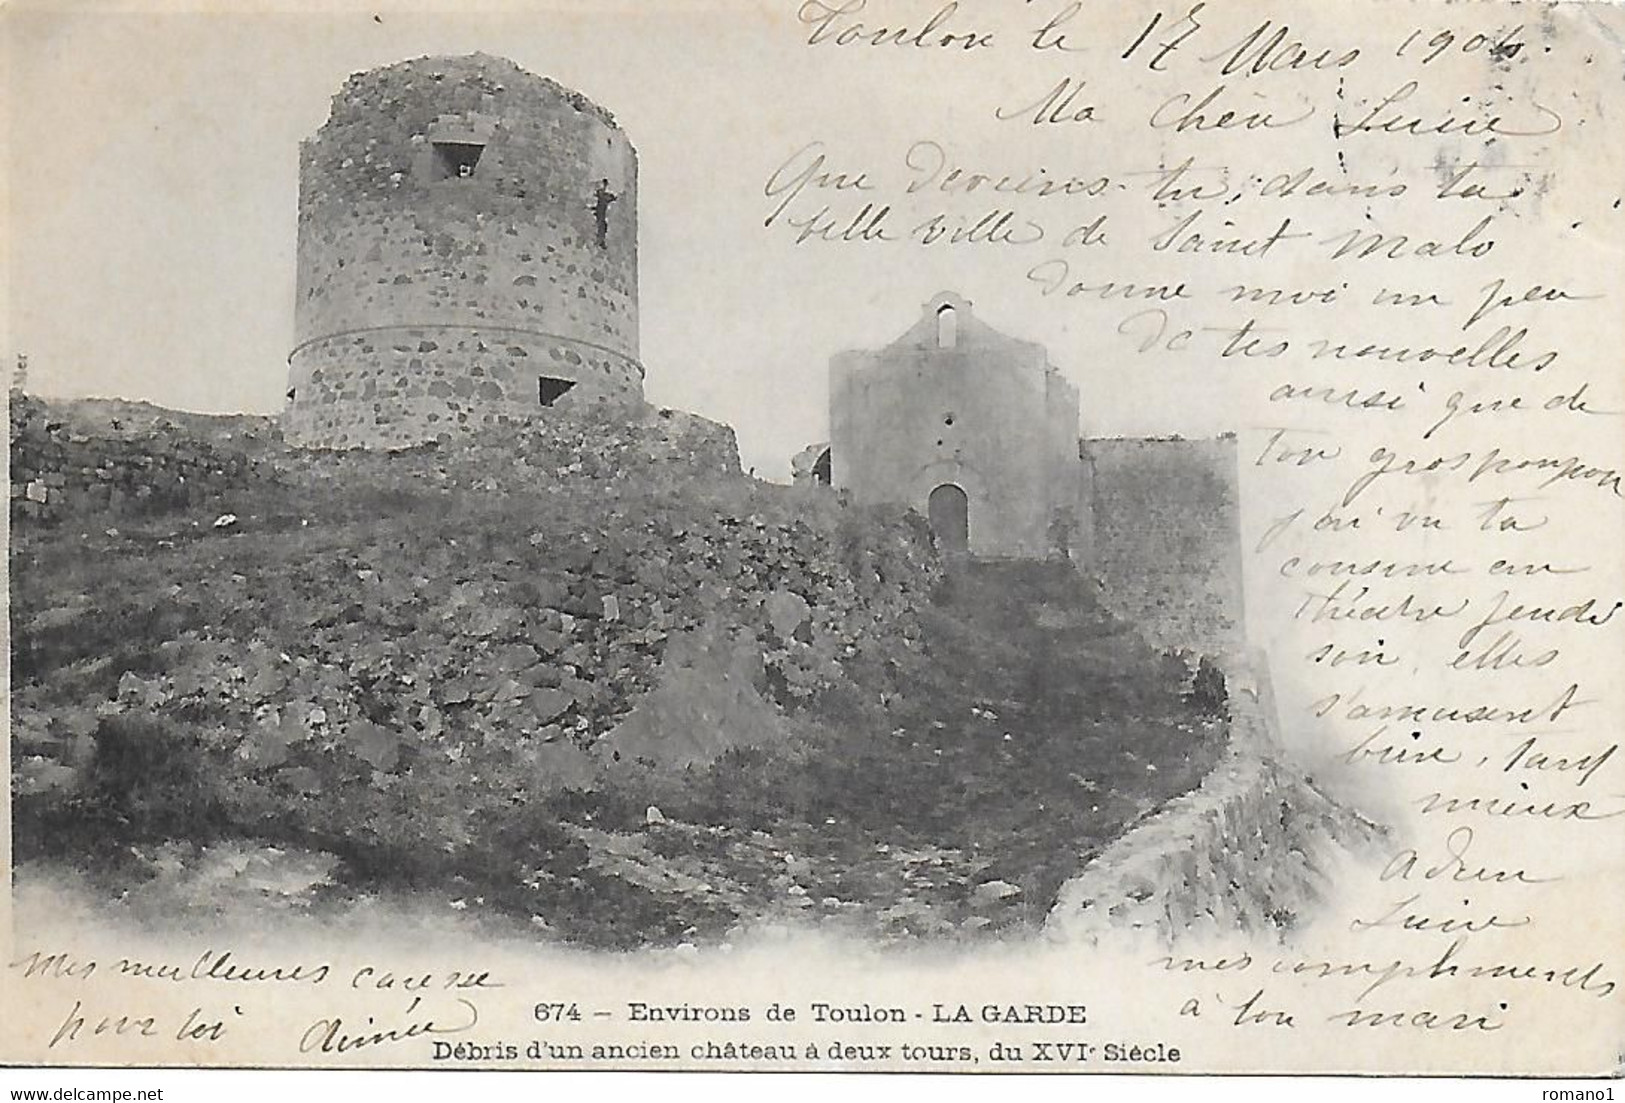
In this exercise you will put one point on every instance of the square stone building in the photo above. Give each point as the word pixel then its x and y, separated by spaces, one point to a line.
pixel 978 431
pixel 975 429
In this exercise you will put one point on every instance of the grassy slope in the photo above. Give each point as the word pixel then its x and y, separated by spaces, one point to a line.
pixel 988 739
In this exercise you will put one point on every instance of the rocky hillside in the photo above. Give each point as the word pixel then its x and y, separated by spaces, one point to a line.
pixel 584 674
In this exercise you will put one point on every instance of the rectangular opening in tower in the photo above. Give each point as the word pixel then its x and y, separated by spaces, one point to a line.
pixel 456 160
pixel 549 390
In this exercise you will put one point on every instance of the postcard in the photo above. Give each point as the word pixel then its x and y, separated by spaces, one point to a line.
pixel 822 535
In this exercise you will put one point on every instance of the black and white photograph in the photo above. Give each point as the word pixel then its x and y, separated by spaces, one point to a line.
pixel 834 535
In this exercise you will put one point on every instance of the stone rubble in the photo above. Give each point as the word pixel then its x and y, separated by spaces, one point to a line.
pixel 61 469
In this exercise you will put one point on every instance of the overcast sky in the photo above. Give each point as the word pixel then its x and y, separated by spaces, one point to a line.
pixel 155 185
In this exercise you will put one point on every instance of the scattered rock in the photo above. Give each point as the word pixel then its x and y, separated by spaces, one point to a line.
pixel 787 611
pixel 547 705
pixel 989 892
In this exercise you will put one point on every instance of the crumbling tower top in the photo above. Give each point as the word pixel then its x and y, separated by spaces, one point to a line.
pixel 467 255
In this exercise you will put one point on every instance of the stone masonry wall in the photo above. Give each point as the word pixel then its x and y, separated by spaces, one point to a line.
pixel 985 413
pixel 1245 852
pixel 403 386
pixel 1166 539
pixel 416 277
pixel 60 470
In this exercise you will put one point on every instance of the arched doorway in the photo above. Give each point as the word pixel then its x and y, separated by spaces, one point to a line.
pixel 949 512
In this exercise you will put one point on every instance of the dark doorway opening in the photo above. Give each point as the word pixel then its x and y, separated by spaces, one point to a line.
pixel 949 512
pixel 550 390
pixel 821 468
pixel 456 160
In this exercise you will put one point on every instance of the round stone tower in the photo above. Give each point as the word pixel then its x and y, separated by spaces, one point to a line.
pixel 467 255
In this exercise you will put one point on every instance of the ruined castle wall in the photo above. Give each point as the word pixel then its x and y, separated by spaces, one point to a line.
pixel 1246 851
pixel 403 385
pixel 903 425
pixel 65 469
pixel 985 414
pixel 1166 539
pixel 467 231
